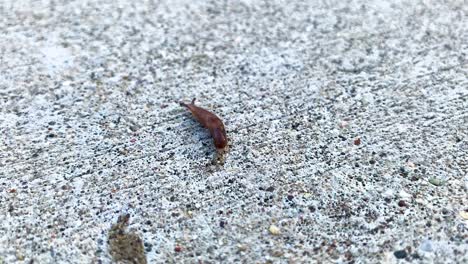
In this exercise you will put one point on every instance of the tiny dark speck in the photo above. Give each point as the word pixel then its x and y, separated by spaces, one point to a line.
pixel 222 224
pixel 295 126
pixel 403 172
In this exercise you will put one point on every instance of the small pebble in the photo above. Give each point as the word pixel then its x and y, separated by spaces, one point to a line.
pixel 420 201
pixel 403 172
pixel 436 182
pixel 357 141
pixel 426 245
pixel 274 230
pixel 343 124
pixel 400 254
pixel 178 248
pixel 19 256
pixel 464 214
pixel 222 223
pixel 241 247
pixel 411 165
pixel 389 193
pixel 404 195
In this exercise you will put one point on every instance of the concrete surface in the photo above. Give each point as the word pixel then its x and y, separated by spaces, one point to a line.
pixel 347 123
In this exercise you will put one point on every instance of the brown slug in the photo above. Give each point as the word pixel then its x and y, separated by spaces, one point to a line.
pixel 211 122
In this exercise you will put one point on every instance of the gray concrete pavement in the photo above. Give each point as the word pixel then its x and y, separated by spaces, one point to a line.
pixel 347 123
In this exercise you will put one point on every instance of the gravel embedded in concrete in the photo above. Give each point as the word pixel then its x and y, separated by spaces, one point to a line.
pixel 347 123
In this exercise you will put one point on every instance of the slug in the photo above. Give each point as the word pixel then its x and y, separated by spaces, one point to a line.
pixel 211 122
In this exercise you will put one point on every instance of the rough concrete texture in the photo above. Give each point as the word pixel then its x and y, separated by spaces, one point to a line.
pixel 347 123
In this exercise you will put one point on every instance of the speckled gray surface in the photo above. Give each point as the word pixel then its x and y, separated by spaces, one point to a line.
pixel 347 123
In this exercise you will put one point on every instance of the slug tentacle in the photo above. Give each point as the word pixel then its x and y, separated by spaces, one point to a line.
pixel 188 105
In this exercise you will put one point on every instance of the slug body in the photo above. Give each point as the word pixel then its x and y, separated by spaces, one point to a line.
pixel 211 122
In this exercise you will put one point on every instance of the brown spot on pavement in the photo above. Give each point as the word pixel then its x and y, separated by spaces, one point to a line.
pixel 125 247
